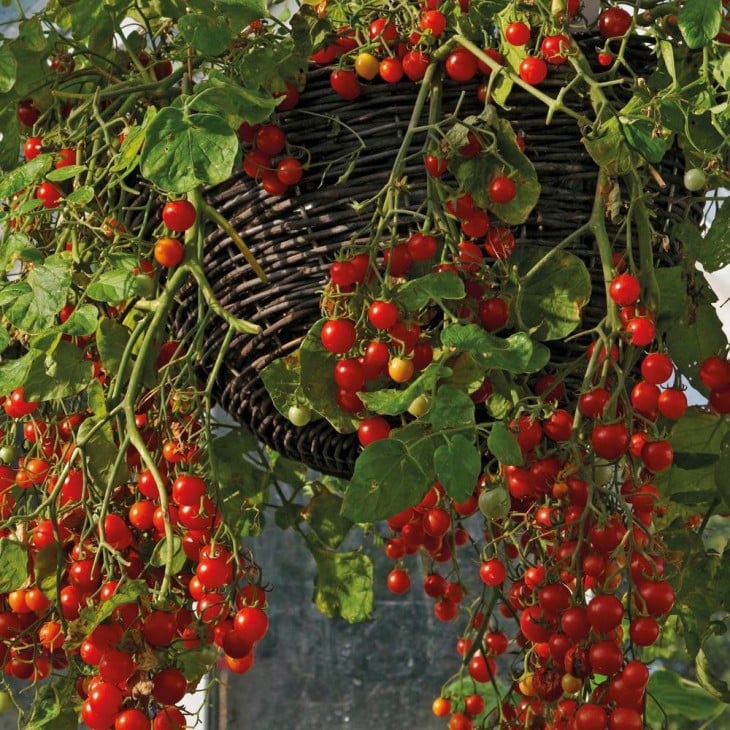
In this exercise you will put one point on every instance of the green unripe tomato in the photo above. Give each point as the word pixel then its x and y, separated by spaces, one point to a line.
pixel 694 179
pixel 495 503
pixel 8 454
pixel 420 405
pixel 299 415
pixel 5 702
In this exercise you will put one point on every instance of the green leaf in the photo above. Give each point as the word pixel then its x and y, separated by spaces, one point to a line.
pixel 697 439
pixel 19 178
pixel 693 338
pixel 640 135
pixel 14 372
pixel 220 95
pixel 451 408
pixel 81 196
pixel 475 173
pixel 111 341
pixel 516 354
pixel 229 453
pixel 128 156
pixel 100 453
pixel 715 251
pixel 344 585
pixel 112 287
pixel 45 569
pixel 37 308
pixel 59 374
pixel 458 464
pixel 83 321
pixel 318 390
pixel 503 445
pixel 8 69
pixel 65 173
pixel 391 402
pixel 678 697
pixel 418 293
pixel 553 296
pixel 282 380
pixel 711 683
pixel 11 247
pixel 13 565
pixel 197 662
pixel 608 147
pixel 10 142
pixel 387 479
pixel 183 151
pixel 51 709
pixel 90 617
pixel 672 296
pixel 208 34
pixel 323 516
pixel 159 554
pixel 699 22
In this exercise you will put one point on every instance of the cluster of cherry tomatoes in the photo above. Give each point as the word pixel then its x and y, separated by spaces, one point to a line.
pixel 127 661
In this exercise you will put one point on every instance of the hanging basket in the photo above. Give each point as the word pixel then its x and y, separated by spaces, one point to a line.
pixel 295 237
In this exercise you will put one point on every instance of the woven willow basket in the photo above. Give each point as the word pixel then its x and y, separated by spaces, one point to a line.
pixel 295 237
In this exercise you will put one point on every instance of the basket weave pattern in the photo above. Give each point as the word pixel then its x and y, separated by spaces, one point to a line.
pixel 295 237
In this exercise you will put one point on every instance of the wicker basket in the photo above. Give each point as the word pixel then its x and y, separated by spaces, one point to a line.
pixel 295 237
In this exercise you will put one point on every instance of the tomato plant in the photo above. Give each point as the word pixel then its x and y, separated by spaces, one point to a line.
pixel 518 404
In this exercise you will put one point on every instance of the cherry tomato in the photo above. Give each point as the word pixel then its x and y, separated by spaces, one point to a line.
pixel 28 113
pixel 554 49
pixel 610 441
pixel 169 252
pixel 32 147
pixel 657 368
pixel 269 139
pixel 366 65
pixel 48 194
pixel 715 372
pixel 338 335
pixel 391 70
pixel 502 190
pixel 517 33
pixel 179 215
pixel 373 429
pixel 533 70
pixel 415 64
pixel 399 581
pixel 614 23
pixel 461 65
pixel 344 82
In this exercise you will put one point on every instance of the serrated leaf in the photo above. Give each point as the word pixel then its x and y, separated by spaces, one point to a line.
pixel 13 565
pixel 182 151
pixel 516 354
pixel 344 585
pixel 503 445
pixel 458 464
pixel 51 710
pixel 387 479
pixel 699 22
